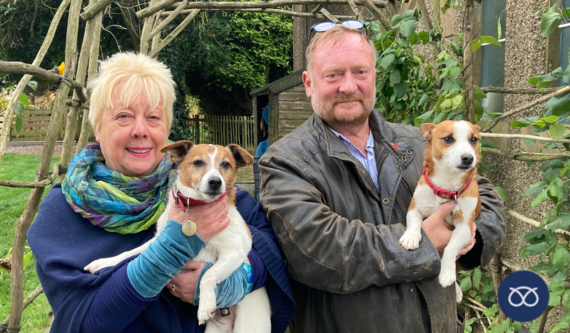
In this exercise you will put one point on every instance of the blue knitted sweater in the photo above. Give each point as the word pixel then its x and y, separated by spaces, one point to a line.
pixel 63 242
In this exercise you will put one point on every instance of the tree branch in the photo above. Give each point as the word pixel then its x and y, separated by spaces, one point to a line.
pixel 27 301
pixel 526 156
pixel 534 223
pixel 524 91
pixel 328 15
pixel 169 19
pixel 174 33
pixel 148 11
pixel 522 136
pixel 527 106
pixel 16 67
pixel 269 11
pixel 425 15
pixel 377 14
pixel 267 4
pixel 355 9
pixel 90 11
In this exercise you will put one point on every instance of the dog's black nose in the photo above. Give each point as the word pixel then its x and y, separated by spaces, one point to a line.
pixel 466 159
pixel 215 183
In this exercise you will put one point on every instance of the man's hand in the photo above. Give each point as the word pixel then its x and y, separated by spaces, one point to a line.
pixel 439 232
pixel 185 281
pixel 210 219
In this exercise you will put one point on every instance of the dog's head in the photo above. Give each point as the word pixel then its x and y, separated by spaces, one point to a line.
pixel 207 169
pixel 452 144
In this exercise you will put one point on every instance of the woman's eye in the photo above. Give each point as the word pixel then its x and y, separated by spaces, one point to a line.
pixel 226 165
pixel 198 163
pixel 123 116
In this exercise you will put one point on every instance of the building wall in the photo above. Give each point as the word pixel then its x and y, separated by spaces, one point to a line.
pixel 294 108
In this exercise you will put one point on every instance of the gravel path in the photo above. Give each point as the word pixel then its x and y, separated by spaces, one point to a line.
pixel 34 150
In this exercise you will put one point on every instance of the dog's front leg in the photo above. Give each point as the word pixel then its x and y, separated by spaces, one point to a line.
pixel 411 238
pixel 460 236
pixel 228 262
pixel 96 265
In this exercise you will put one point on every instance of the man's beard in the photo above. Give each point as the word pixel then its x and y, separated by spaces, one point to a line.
pixel 325 110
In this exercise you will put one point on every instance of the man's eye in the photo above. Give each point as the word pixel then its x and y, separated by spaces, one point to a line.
pixel 448 139
pixel 198 163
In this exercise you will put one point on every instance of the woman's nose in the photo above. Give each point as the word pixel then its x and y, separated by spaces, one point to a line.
pixel 140 129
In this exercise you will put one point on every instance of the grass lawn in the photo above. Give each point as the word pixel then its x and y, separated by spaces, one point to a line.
pixel 12 202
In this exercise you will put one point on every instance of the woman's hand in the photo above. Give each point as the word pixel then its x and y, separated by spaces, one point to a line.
pixel 184 283
pixel 210 219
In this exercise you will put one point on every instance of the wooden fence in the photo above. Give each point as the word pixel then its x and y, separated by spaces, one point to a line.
pixel 223 130
pixel 35 126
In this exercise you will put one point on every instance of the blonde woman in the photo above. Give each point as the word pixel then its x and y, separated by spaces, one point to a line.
pixel 109 202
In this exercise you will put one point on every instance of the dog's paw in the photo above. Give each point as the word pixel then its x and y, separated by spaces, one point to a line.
pixel 446 278
pixel 410 240
pixel 458 293
pixel 206 307
pixel 96 265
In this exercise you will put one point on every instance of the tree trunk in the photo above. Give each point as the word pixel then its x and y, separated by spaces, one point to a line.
pixel 468 62
pixel 5 134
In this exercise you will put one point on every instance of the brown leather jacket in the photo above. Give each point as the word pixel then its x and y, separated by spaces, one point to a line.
pixel 340 234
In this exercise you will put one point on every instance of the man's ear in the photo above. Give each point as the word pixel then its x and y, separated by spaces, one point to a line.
pixel 177 150
pixel 307 83
pixel 426 130
pixel 241 156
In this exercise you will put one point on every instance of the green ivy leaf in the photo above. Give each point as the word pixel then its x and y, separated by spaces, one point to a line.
pixel 566 76
pixel 33 85
pixel 454 72
pixel 555 189
pixel 499 32
pixel 558 105
pixel 465 284
pixel 554 299
pixel 477 277
pixel 535 189
pixel 490 40
pixel 502 193
pixel 408 27
pixel 475 45
pixel 561 258
pixel 529 142
pixel 446 104
pixel 19 109
pixel 386 61
pixel 27 257
pixel 395 77
pixel 542 197
pixel 549 21
pixel 400 89
pixel 19 123
pixel 478 92
pixel 557 130
pixel 423 99
pixel 424 37
pixel 523 122
pixel 457 100
pixel 566 299
pixel 540 268
pixel 439 118
pixel 479 110
pixel 24 99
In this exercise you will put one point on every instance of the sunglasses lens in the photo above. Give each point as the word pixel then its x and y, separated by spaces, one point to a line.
pixel 320 27
pixel 353 24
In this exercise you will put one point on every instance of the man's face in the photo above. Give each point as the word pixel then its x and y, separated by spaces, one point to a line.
pixel 341 81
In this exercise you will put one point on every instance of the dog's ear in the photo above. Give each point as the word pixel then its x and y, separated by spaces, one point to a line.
pixel 426 130
pixel 177 150
pixel 241 156
pixel 477 127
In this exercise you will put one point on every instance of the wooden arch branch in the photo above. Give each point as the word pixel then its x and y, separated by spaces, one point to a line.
pixel 43 183
pixel 90 11
pixel 253 4
pixel 174 33
pixel 269 11
pixel 16 67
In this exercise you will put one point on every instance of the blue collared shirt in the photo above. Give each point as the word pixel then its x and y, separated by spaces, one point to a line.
pixel 369 162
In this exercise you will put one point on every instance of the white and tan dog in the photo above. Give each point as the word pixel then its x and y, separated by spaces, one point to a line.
pixel 450 171
pixel 205 173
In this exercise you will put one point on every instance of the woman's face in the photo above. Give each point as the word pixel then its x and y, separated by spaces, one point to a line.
pixel 131 138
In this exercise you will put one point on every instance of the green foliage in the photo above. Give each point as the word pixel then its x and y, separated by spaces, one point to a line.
pixel 549 21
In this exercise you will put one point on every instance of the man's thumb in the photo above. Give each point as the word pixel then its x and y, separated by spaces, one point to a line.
pixel 445 209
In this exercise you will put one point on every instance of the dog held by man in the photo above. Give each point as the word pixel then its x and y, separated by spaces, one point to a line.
pixel 336 191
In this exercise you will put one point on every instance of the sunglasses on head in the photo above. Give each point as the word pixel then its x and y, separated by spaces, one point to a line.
pixel 324 26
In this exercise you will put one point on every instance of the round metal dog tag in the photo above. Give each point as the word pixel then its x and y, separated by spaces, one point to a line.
pixel 189 228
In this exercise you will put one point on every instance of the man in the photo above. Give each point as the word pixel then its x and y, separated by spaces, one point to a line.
pixel 336 191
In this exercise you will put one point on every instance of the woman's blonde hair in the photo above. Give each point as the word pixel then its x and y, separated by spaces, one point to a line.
pixel 138 74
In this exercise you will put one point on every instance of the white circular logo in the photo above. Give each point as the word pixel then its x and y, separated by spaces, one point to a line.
pixel 523 297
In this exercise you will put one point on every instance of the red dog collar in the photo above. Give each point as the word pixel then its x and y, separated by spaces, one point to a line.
pixel 183 201
pixel 445 194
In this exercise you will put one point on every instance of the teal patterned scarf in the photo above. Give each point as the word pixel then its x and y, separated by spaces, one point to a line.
pixel 111 200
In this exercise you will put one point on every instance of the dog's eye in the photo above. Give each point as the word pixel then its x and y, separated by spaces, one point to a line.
pixel 474 140
pixel 448 139
pixel 198 163
pixel 226 165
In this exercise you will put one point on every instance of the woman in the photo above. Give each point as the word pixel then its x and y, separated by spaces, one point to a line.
pixel 109 202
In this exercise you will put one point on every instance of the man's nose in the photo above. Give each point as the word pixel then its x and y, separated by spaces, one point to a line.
pixel 348 84
pixel 140 129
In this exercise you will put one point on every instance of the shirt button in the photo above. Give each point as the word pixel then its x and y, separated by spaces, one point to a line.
pixel 404 158
pixel 412 290
pixel 409 152
pixel 386 201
